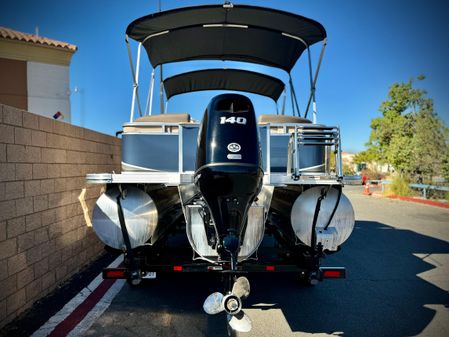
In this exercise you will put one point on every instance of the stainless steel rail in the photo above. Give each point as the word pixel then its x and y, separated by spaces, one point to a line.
pixel 319 136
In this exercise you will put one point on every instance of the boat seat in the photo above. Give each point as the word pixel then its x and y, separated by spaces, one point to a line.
pixel 165 118
pixel 158 123
pixel 282 119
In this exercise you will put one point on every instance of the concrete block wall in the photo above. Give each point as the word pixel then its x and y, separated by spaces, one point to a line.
pixel 45 204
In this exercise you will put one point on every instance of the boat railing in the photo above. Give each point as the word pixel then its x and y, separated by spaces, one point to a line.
pixel 291 153
pixel 325 142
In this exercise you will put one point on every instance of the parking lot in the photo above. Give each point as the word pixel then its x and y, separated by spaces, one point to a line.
pixel 397 262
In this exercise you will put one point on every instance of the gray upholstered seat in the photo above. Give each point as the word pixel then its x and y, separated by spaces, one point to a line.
pixel 282 119
pixel 165 118
pixel 158 123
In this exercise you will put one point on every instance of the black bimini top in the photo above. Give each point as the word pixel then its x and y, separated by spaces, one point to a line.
pixel 238 33
pixel 224 79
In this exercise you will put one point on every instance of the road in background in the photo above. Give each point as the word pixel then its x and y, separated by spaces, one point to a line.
pixel 397 285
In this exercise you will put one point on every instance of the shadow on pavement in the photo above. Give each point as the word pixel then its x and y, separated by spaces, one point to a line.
pixel 382 295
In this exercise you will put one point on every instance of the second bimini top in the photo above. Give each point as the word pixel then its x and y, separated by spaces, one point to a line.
pixel 226 32
pixel 224 79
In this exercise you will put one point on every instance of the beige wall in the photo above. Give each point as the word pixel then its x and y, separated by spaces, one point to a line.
pixel 28 51
pixel 44 234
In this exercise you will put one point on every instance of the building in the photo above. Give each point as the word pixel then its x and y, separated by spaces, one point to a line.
pixel 348 161
pixel 34 73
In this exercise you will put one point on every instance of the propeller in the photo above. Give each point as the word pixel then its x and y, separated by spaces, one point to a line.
pixel 241 287
pixel 213 303
pixel 231 303
pixel 240 322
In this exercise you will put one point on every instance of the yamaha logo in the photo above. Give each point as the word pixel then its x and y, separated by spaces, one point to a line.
pixel 234 147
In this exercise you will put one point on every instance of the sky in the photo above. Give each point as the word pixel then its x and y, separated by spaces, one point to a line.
pixel 371 45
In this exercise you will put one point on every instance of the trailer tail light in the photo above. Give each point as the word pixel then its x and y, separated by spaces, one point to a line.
pixel 333 272
pixel 177 268
pixel 270 268
pixel 114 273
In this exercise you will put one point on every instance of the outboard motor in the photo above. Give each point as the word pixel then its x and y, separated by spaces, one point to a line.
pixel 228 169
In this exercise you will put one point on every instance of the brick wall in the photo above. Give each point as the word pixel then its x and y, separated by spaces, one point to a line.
pixel 44 235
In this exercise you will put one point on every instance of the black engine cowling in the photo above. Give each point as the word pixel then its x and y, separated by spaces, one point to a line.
pixel 229 168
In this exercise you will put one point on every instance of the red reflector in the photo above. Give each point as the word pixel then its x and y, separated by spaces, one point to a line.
pixel 270 268
pixel 115 274
pixel 333 274
pixel 177 268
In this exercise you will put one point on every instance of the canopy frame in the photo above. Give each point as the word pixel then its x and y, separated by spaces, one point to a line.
pixel 294 101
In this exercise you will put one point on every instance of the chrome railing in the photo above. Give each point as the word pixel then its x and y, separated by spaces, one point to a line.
pixel 323 138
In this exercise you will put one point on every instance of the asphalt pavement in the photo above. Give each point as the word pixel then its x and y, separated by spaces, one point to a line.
pixel 397 285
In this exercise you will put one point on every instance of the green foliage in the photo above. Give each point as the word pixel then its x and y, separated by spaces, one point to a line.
pixel 372 175
pixel 348 170
pixel 409 135
pixel 365 156
pixel 429 141
pixel 332 162
pixel 445 167
pixel 399 186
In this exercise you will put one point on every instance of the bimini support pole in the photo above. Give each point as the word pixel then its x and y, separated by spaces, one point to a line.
pixel 161 90
pixel 135 75
pixel 293 95
pixel 312 87
pixel 161 77
pixel 152 73
pixel 312 98
pixel 292 89
pixel 149 106
pixel 284 98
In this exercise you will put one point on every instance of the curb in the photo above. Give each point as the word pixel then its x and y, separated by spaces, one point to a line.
pixel 411 199
pixel 421 201
pixel 33 318
pixel 77 315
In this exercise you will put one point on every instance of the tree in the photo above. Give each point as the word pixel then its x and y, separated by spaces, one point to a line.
pixel 409 135
pixel 429 141
pixel 365 156
pixel 445 166
pixel 348 170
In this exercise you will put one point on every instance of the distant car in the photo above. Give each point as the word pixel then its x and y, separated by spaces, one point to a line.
pixel 352 180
